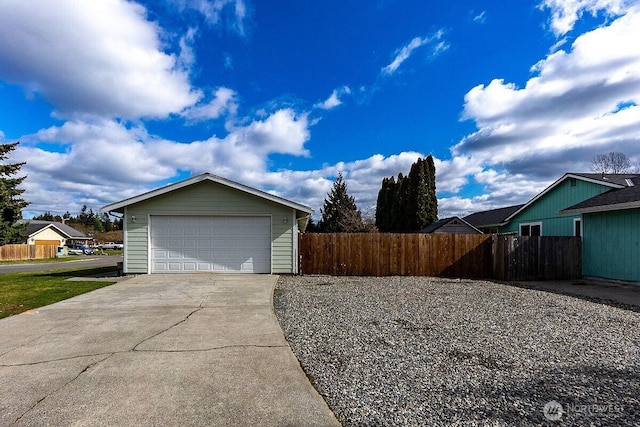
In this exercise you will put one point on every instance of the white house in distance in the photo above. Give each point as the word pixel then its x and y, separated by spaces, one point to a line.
pixel 210 224
pixel 51 233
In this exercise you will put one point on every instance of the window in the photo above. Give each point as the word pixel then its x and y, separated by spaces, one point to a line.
pixel 577 227
pixel 531 229
pixel 574 182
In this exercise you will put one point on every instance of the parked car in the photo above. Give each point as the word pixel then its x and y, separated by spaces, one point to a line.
pixel 110 245
pixel 79 250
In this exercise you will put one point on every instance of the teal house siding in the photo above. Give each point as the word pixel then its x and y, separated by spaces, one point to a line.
pixel 545 207
pixel 611 245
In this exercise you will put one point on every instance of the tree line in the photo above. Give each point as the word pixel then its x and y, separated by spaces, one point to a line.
pixel 87 221
pixel 407 204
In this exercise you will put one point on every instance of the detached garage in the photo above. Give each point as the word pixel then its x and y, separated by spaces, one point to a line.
pixel 210 224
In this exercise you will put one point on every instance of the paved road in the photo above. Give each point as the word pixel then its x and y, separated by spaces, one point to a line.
pixel 169 350
pixel 82 261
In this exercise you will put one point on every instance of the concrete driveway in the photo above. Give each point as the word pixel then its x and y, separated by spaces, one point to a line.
pixel 199 349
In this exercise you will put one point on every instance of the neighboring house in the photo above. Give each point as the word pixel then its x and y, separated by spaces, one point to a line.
pixel 540 216
pixel 489 222
pixel 611 233
pixel 51 233
pixel 210 224
pixel 453 225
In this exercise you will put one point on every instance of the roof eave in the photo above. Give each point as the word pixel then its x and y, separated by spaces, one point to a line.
pixel 602 208
pixel 554 185
pixel 119 206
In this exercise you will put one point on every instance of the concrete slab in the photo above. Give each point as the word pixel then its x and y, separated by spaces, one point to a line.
pixel 617 294
pixel 201 349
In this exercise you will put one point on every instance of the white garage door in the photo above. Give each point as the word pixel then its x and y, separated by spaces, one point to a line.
pixel 186 244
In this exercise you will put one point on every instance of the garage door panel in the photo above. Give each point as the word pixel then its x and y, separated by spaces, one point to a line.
pixel 202 243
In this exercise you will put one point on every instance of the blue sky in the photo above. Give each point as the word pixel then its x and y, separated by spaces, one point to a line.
pixel 111 98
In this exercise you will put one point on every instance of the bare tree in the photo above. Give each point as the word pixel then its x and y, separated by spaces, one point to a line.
pixel 614 162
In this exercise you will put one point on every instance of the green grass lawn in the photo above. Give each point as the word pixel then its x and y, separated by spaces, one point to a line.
pixel 20 292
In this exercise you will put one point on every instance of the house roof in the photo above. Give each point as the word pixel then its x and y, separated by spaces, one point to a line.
pixel 492 217
pixel 119 206
pixel 36 226
pixel 608 180
pixel 617 199
pixel 444 221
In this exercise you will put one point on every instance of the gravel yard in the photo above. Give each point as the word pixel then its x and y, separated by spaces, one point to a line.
pixel 431 351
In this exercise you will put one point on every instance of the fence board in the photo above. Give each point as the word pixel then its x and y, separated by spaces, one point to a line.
pixel 472 256
pixel 20 252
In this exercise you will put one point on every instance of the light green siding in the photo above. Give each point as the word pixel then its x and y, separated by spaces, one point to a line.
pixel 546 208
pixel 611 245
pixel 209 198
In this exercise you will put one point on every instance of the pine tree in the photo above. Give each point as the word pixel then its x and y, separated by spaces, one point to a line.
pixel 11 204
pixel 340 213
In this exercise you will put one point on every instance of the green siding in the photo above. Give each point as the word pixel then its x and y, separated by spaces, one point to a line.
pixel 610 245
pixel 208 198
pixel 546 208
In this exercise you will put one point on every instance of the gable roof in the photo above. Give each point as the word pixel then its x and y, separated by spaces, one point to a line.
pixel 36 226
pixel 492 217
pixel 608 180
pixel 443 222
pixel 613 200
pixel 119 206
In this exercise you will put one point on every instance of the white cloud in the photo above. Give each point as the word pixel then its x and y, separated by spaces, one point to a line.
pixel 334 99
pixel 100 57
pixel 214 11
pixel 405 52
pixel 572 103
pixel 565 13
pixel 187 56
pixel 100 160
pixel 224 101
pixel 228 61
pixel 481 18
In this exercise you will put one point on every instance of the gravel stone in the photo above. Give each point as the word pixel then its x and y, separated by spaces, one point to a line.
pixel 431 351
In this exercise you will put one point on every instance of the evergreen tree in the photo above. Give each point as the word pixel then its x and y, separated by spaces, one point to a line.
pixel 47 216
pixel 410 203
pixel 107 225
pixel 340 213
pixel 417 203
pixel 11 204
pixel 432 199
pixel 383 204
pixel 398 204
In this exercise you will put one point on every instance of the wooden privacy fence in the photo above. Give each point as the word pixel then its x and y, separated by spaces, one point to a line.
pixel 385 254
pixel 447 255
pixel 19 252
pixel 537 258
